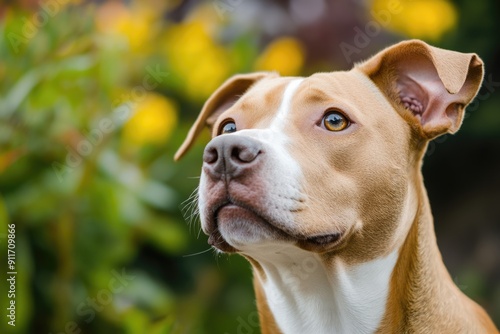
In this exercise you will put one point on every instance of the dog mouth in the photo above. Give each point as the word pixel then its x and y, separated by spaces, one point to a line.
pixel 323 243
pixel 232 216
pixel 246 218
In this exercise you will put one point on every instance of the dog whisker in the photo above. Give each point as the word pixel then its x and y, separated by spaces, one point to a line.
pixel 198 253
pixel 190 209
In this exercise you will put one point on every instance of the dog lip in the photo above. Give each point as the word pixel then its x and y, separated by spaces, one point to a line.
pixel 231 203
pixel 319 243
pixel 212 217
pixel 217 240
pixel 325 242
pixel 324 239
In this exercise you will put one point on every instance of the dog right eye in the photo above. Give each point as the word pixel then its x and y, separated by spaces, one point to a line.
pixel 335 121
pixel 227 127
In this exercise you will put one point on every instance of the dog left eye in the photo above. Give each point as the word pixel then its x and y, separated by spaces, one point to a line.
pixel 227 127
pixel 335 121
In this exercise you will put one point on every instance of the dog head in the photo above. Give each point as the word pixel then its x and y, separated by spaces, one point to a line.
pixel 329 163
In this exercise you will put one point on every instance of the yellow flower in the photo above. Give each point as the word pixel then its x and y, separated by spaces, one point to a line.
pixel 133 25
pixel 206 14
pixel 285 55
pixel 196 59
pixel 153 121
pixel 426 19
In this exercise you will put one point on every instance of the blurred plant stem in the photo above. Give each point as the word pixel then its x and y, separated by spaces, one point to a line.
pixel 63 235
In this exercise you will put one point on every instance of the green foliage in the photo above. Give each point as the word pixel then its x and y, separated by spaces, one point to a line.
pixel 83 213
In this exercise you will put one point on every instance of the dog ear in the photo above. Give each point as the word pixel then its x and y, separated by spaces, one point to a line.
pixel 221 100
pixel 429 86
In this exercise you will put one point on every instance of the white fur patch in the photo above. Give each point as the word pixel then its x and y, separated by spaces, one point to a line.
pixel 281 175
pixel 280 120
pixel 306 298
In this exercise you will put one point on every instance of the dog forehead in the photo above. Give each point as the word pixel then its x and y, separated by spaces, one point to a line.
pixel 260 105
pixel 352 87
pixel 261 102
pixel 349 88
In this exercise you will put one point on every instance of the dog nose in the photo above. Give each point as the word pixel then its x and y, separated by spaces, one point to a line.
pixel 230 155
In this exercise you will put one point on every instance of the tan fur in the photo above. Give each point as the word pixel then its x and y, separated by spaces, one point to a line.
pixel 423 297
pixel 371 171
pixel 458 73
pixel 223 98
pixel 351 169
pixel 251 111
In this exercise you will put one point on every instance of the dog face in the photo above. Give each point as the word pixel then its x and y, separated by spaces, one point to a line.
pixel 311 172
pixel 327 163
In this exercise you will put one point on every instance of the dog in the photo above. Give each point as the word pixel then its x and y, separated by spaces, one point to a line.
pixel 317 182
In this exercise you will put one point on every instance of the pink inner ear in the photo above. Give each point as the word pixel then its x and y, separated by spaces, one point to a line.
pixel 412 96
pixel 413 104
pixel 423 93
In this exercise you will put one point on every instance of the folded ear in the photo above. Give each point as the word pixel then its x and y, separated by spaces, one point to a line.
pixel 221 100
pixel 429 86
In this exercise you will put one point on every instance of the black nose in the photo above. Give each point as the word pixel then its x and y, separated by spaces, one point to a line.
pixel 231 155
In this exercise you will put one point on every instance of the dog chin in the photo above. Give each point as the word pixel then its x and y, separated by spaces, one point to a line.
pixel 241 227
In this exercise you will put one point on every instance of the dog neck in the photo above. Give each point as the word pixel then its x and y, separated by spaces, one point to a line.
pixel 423 297
pixel 298 292
pixel 306 296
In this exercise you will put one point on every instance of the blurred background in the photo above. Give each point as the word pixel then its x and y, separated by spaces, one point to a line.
pixel 96 96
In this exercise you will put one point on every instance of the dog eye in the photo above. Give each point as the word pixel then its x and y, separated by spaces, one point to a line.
pixel 227 127
pixel 335 121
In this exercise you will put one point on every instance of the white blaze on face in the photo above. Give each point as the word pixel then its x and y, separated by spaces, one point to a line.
pixel 274 137
pixel 280 174
pixel 286 105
